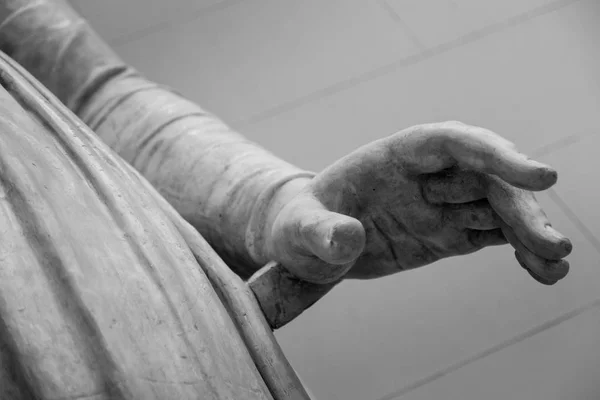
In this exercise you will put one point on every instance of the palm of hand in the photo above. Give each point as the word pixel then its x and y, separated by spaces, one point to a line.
pixel 405 230
pixel 426 193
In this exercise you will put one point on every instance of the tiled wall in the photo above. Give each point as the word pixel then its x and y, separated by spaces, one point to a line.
pixel 312 80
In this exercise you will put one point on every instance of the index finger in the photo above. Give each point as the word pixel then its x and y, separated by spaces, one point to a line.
pixel 485 151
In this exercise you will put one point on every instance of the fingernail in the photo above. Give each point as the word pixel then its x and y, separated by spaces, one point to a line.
pixel 548 173
pixel 563 242
pixel 346 241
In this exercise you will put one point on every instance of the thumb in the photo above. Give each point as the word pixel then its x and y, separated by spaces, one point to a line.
pixel 334 238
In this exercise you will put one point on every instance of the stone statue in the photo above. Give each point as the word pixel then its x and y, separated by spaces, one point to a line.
pixel 425 193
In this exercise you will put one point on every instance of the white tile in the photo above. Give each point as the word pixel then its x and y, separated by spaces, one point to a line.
pixel 116 19
pixel 534 84
pixel 255 55
pixel 440 21
pixel 557 364
pixel 369 338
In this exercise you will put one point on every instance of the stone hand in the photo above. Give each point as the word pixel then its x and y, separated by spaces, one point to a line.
pixel 423 194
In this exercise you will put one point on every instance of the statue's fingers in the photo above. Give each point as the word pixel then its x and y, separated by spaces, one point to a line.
pixel 480 239
pixel 520 210
pixel 549 271
pixel 475 215
pixel 540 279
pixel 454 186
pixel 433 147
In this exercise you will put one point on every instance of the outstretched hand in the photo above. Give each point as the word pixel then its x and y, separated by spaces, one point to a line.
pixel 426 193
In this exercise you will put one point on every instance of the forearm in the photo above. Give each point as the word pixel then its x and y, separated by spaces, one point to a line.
pixel 214 177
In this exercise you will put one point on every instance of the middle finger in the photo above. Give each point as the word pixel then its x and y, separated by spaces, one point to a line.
pixel 521 212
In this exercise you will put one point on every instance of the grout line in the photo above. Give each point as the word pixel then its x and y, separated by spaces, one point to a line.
pixel 184 17
pixel 396 17
pixel 557 145
pixel 514 340
pixel 572 216
pixel 74 6
pixel 404 62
